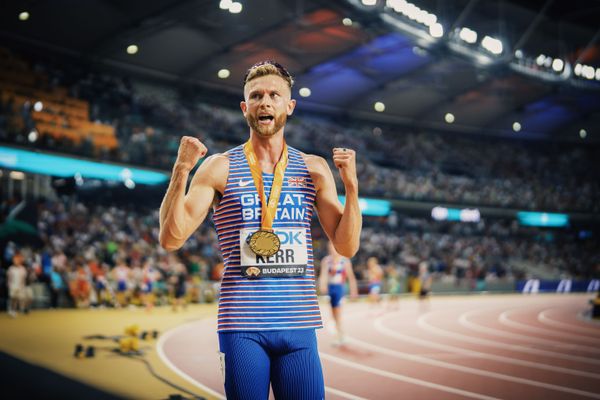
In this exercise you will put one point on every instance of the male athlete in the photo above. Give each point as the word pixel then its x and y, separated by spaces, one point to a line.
pixel 335 270
pixel 262 194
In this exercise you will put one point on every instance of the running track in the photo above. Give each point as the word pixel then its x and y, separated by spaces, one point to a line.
pixel 475 347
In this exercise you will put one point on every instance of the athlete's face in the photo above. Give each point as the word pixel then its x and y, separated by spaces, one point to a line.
pixel 267 104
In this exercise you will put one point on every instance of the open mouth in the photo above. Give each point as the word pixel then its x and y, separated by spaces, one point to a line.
pixel 265 119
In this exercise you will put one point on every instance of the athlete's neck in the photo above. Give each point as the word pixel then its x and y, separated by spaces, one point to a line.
pixel 268 150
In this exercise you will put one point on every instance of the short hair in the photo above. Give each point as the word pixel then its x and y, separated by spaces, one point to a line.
pixel 268 67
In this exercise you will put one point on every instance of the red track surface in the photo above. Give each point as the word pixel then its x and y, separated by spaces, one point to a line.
pixel 482 347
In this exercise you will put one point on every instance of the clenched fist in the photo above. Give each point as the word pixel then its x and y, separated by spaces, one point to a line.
pixel 191 150
pixel 345 161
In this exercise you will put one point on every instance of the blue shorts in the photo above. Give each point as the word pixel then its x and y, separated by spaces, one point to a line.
pixel 375 288
pixel 121 286
pixel 287 359
pixel 336 293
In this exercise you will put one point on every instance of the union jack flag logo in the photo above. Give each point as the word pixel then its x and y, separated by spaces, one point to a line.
pixel 297 181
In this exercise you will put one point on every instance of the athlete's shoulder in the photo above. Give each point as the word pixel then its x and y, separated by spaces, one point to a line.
pixel 314 163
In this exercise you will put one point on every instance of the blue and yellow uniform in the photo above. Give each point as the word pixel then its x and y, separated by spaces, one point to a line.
pixel 268 323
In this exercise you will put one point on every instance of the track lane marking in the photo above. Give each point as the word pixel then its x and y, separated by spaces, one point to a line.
pixel 513 347
pixel 460 368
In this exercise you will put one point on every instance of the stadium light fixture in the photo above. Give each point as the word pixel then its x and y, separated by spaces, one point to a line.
pixel 558 64
pixel 588 72
pixel 516 126
pixel 132 49
pixel 38 106
pixel 449 118
pixel 492 45
pixel 379 106
pixel 468 35
pixel 236 7
pixel 436 30
pixel 223 73
pixel 347 22
pixel 225 4
pixel 582 133
pixel 23 16
pixel 33 136
pixel 369 2
pixel 540 60
pixel 304 92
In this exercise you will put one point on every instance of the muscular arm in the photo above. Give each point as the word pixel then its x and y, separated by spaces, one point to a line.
pixel 342 224
pixel 181 213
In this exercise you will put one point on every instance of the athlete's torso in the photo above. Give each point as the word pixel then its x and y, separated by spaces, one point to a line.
pixel 336 268
pixel 265 303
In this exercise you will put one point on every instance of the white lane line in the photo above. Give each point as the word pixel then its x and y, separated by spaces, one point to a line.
pixel 545 319
pixel 475 371
pixel 404 378
pixel 464 321
pixel 422 322
pixel 504 319
pixel 161 353
pixel 343 394
pixel 379 327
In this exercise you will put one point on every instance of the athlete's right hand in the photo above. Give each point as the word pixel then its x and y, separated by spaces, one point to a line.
pixel 191 150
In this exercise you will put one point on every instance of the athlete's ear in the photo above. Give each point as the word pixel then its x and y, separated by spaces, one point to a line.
pixel 244 107
pixel 291 106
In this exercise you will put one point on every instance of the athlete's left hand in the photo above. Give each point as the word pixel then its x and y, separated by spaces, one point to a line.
pixel 345 161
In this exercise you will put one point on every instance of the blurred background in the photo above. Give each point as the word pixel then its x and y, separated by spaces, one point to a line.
pixel 476 124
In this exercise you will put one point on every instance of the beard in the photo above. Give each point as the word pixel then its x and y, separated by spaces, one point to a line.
pixel 267 131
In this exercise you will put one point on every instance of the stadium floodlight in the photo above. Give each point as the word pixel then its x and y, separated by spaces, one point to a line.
pixel 38 106
pixel 369 2
pixel 598 74
pixel 225 4
pixel 519 54
pixel 223 73
pixel 347 22
pixel 132 49
pixel 540 60
pixel 492 45
pixel 516 126
pixel 468 35
pixel 235 8
pixel 379 106
pixel 24 16
pixel 577 70
pixel 304 92
pixel 33 136
pixel 558 64
pixel 582 133
pixel 436 30
pixel 588 72
pixel 449 118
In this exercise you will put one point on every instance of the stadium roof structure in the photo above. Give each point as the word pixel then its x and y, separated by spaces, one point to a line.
pixel 501 67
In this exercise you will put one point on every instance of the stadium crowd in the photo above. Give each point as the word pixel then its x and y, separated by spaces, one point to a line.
pixel 394 162
pixel 94 254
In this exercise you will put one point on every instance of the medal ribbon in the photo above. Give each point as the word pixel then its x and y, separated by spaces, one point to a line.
pixel 268 209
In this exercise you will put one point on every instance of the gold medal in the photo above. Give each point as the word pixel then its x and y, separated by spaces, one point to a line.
pixel 264 243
